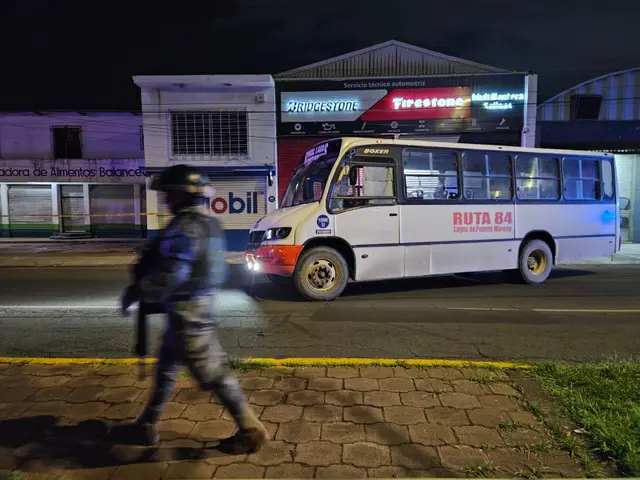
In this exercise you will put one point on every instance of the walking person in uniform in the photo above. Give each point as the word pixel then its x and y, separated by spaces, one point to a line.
pixel 188 267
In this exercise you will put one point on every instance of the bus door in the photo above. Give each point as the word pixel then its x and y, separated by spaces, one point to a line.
pixel 364 203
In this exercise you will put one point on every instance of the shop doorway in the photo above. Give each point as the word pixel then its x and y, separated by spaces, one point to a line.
pixel 72 209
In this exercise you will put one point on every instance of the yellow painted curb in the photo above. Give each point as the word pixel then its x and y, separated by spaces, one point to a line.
pixel 285 362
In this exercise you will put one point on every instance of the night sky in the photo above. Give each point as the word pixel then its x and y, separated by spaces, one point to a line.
pixel 68 55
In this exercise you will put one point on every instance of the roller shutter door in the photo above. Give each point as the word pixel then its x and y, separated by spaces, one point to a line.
pixel 624 171
pixel 30 210
pixel 72 203
pixel 109 204
pixel 239 203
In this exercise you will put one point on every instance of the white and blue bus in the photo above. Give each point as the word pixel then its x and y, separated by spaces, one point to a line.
pixel 362 209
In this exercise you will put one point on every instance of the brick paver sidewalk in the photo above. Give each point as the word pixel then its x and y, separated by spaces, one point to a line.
pixel 326 423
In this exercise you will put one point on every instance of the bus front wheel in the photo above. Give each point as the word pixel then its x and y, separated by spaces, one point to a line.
pixel 321 274
pixel 536 261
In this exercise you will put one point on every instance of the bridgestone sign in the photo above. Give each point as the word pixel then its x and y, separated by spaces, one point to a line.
pixel 329 106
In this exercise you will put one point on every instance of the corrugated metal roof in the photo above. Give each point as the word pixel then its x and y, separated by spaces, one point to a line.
pixel 392 58
pixel 620 97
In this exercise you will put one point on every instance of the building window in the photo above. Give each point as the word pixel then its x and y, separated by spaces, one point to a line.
pixel 585 107
pixel 141 137
pixel 486 175
pixel 212 133
pixel 67 142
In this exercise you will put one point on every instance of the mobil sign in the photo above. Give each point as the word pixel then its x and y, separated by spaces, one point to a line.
pixel 238 202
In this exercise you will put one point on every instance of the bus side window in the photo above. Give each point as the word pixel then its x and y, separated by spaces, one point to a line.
pixel 581 178
pixel 375 185
pixel 537 178
pixel 486 175
pixel 607 180
pixel 430 175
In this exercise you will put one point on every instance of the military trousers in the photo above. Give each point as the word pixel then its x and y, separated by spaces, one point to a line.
pixel 204 357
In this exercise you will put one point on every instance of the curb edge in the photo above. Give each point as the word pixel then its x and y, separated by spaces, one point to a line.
pixel 283 362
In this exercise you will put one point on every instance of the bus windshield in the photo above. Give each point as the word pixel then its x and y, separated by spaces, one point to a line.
pixel 310 180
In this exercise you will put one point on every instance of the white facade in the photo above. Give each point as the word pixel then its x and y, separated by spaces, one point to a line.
pixel 225 126
pixel 71 172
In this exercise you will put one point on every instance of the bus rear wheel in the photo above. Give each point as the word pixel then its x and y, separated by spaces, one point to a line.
pixel 536 262
pixel 321 274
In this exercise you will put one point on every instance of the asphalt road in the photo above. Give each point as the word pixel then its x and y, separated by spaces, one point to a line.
pixel 579 314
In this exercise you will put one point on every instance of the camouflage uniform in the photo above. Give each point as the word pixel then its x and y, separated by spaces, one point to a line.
pixel 188 267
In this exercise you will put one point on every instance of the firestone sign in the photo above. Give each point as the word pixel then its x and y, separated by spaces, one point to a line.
pixel 421 104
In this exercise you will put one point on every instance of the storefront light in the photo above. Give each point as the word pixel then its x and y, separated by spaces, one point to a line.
pixel 497 101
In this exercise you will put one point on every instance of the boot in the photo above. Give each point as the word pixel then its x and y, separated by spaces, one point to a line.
pixel 148 433
pixel 250 440
pixel 251 436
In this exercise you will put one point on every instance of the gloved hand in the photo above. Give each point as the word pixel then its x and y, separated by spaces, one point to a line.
pixel 129 297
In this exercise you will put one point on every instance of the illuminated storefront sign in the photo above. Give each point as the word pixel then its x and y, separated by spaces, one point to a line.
pixel 429 105
pixel 422 104
pixel 497 101
pixel 400 103
pixel 327 106
pixel 294 106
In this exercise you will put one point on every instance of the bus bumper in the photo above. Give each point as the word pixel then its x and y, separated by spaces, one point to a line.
pixel 273 259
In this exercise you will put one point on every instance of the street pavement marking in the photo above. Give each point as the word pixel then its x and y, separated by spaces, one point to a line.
pixel 58 307
pixel 545 310
pixel 283 362
pixel 484 309
pixel 480 309
pixel 582 310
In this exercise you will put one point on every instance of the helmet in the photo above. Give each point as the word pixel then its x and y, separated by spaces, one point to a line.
pixel 181 178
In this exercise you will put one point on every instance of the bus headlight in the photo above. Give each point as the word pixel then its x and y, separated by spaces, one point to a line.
pixel 277 233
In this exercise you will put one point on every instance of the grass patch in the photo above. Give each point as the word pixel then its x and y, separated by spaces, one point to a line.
pixel 532 472
pixel 481 471
pixel 13 475
pixel 604 399
pixel 508 426
pixel 529 448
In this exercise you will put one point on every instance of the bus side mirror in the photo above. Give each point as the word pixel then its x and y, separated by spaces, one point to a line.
pixel 353 176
